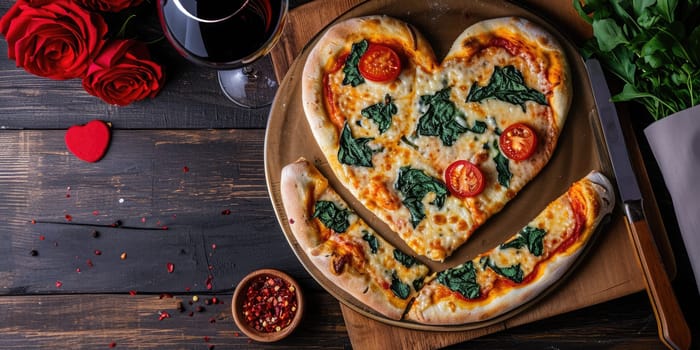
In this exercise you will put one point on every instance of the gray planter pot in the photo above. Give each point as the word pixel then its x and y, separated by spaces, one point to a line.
pixel 675 142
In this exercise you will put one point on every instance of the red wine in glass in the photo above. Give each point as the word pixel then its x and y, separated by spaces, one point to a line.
pixel 227 35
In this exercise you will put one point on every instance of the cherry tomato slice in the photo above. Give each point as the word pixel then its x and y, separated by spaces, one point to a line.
pixel 380 64
pixel 464 179
pixel 518 141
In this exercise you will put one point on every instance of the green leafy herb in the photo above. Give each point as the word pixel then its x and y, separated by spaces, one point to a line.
pixel 440 118
pixel 372 241
pixel 404 259
pixel 653 46
pixel 461 279
pixel 513 273
pixel 506 84
pixel 504 174
pixel 381 113
pixel 352 74
pixel 332 216
pixel 400 289
pixel 418 283
pixel 414 185
pixel 354 151
pixel 530 237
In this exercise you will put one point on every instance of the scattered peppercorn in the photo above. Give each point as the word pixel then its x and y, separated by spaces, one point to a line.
pixel 33 252
pixel 95 233
pixel 199 308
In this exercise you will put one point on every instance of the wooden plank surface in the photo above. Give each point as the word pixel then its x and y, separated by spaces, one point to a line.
pixel 166 214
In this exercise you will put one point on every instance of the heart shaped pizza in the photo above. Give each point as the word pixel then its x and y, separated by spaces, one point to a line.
pixel 435 149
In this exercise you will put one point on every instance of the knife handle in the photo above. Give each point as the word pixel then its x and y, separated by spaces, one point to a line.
pixel 673 329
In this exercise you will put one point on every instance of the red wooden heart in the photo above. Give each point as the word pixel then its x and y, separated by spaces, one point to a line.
pixel 88 142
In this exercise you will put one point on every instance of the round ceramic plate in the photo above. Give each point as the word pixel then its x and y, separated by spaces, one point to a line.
pixel 289 137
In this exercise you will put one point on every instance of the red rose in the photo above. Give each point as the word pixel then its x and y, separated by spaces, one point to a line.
pixel 110 5
pixel 123 73
pixel 53 39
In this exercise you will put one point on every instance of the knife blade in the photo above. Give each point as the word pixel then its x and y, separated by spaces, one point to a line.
pixel 672 326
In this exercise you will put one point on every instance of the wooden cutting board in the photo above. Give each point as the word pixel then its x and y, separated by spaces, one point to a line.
pixel 595 280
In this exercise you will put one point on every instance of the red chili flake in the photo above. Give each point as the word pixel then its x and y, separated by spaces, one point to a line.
pixel 59 284
pixel 187 289
pixel 143 219
pixel 214 300
pixel 98 252
pixel 163 315
pixel 208 281
pixel 95 212
pixel 132 292
pixel 226 212
pixel 164 228
pixel 69 217
pixel 171 267
pixel 42 237
pixel 89 263
pixel 185 169
pixel 206 339
pixel 199 308
pixel 113 345
pixel 236 334
pixel 270 303
pixel 211 267
pixel 33 221
pixel 213 246
pixel 291 221
pixel 77 270
pixel 67 195
pixel 166 296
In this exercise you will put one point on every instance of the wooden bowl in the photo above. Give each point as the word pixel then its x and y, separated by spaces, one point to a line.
pixel 259 283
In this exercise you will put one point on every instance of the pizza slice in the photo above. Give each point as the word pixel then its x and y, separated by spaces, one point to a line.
pixel 521 268
pixel 343 247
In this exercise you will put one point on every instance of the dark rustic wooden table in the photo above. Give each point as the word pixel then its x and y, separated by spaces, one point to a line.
pixel 183 183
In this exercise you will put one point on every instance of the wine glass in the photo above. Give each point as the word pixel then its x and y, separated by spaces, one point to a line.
pixel 230 36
